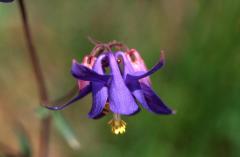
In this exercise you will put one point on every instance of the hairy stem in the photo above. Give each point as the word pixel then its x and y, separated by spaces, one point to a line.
pixel 43 95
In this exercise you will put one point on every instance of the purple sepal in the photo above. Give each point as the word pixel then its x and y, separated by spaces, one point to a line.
pixel 80 95
pixel 84 73
pixel 141 74
pixel 155 104
pixel 99 91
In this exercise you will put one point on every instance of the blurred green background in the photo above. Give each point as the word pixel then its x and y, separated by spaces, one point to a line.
pixel 201 78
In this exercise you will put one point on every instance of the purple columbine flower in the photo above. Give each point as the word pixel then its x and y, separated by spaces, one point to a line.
pixel 115 84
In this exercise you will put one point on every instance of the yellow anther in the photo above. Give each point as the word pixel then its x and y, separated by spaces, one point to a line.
pixel 118 126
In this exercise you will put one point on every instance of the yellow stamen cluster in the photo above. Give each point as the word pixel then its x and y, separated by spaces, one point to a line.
pixel 118 126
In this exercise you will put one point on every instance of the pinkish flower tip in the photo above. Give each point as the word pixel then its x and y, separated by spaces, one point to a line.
pixel 162 56
pixel 74 61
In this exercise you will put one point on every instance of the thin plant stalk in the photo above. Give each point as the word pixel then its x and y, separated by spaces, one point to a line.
pixel 41 85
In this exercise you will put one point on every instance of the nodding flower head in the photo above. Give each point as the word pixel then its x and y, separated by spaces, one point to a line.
pixel 116 80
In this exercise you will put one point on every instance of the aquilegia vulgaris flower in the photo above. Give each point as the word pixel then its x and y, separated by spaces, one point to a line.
pixel 118 81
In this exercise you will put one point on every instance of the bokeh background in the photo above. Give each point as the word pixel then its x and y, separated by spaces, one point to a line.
pixel 201 78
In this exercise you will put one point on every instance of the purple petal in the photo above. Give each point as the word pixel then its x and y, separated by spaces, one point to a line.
pixel 84 73
pixel 99 91
pixel 155 104
pixel 139 75
pixel 120 98
pixel 81 94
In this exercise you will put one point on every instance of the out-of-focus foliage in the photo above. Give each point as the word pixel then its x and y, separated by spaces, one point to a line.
pixel 25 146
pixel 200 80
pixel 66 131
pixel 61 124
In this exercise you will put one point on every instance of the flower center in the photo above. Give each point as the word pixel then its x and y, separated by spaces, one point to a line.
pixel 118 126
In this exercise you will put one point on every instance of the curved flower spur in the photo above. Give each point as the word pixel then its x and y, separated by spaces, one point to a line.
pixel 117 81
